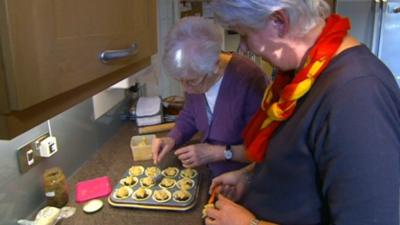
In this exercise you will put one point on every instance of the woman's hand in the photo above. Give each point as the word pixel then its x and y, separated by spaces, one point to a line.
pixel 226 212
pixel 199 154
pixel 231 184
pixel 160 147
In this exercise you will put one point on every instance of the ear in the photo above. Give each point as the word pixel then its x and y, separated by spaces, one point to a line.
pixel 281 22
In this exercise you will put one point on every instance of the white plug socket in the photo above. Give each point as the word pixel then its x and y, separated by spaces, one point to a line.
pixel 48 147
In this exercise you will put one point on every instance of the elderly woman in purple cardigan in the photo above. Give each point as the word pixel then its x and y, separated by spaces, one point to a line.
pixel 222 92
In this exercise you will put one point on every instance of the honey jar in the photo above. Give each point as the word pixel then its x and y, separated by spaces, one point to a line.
pixel 55 187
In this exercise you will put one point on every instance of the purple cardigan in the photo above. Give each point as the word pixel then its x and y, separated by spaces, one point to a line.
pixel 238 99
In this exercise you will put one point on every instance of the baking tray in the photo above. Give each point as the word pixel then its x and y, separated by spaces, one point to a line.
pixel 150 202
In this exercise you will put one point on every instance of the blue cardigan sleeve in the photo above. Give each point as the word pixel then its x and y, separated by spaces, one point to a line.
pixel 185 125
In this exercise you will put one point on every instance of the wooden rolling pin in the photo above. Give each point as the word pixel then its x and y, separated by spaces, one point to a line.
pixel 156 128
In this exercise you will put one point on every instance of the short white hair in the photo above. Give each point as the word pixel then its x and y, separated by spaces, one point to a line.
pixel 192 47
pixel 303 14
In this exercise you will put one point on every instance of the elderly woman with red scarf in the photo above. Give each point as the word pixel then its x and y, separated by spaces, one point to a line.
pixel 326 138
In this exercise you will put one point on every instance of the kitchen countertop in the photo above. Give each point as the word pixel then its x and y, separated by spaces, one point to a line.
pixel 112 160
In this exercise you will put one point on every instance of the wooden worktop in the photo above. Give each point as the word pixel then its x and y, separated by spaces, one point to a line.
pixel 112 160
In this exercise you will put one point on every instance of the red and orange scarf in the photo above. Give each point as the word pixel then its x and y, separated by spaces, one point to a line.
pixel 280 99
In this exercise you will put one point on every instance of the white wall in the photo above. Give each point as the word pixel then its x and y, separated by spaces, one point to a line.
pixel 167 15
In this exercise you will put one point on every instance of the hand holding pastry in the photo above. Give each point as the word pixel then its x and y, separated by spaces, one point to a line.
pixel 226 212
pixel 231 184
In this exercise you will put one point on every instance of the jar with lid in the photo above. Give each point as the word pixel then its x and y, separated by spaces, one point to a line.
pixel 55 187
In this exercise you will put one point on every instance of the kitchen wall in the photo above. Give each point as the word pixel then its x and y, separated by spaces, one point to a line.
pixel 168 13
pixel 78 134
pixel 79 137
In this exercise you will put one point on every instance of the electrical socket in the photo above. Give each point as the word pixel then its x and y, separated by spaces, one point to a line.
pixel 27 158
pixel 28 155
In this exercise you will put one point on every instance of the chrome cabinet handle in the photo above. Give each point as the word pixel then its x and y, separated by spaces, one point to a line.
pixel 107 56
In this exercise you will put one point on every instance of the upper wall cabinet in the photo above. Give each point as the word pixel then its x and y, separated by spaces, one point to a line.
pixel 52 47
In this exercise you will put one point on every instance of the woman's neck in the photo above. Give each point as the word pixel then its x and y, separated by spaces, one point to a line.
pixel 223 61
pixel 307 42
pixel 310 41
pixel 348 42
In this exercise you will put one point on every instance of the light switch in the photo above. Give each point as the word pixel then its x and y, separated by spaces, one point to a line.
pixel 30 158
pixel 27 157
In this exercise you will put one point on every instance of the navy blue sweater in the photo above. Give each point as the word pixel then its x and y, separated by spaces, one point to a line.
pixel 336 160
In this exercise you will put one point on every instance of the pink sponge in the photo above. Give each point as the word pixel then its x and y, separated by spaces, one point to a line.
pixel 93 188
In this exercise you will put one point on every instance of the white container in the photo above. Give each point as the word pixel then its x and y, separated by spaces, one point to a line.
pixel 141 147
pixel 149 111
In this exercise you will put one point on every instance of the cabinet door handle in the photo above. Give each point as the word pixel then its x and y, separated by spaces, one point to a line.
pixel 107 56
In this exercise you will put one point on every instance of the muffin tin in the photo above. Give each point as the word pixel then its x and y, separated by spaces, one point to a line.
pixel 173 188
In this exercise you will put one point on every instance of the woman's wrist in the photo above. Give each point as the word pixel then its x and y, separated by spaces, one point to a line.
pixel 245 175
pixel 217 152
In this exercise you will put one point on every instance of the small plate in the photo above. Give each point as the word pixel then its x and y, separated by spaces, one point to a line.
pixel 93 206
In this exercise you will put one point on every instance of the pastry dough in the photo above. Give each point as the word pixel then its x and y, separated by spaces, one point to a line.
pixel 170 172
pixel 129 181
pixel 161 195
pixel 167 182
pixel 142 142
pixel 123 192
pixel 141 194
pixel 136 171
pixel 204 211
pixel 185 183
pixel 182 196
pixel 147 181
pixel 189 173
pixel 152 171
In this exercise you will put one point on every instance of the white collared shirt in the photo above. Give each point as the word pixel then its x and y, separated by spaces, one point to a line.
pixel 211 97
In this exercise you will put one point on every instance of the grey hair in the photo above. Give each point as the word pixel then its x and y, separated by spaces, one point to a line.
pixel 303 14
pixel 192 47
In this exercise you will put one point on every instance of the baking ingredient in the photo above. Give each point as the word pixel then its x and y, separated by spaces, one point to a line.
pixel 55 187
pixel 49 216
